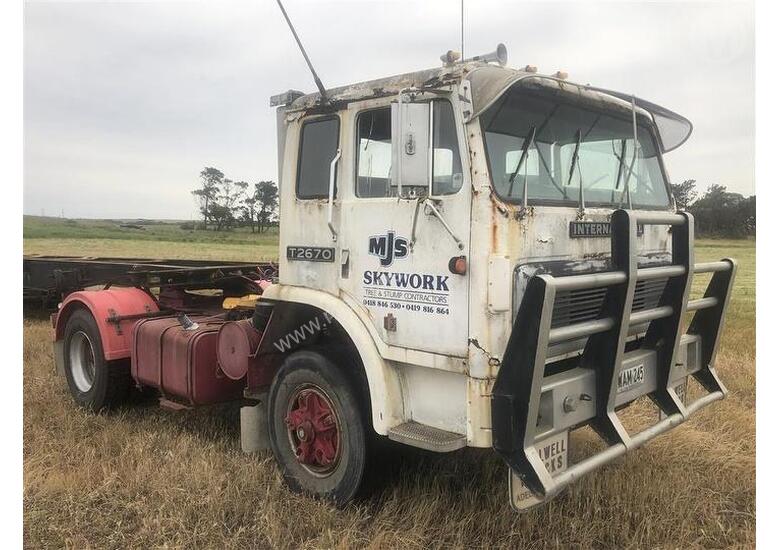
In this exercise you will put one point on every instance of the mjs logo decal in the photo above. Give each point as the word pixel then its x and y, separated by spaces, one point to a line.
pixel 388 247
pixel 424 293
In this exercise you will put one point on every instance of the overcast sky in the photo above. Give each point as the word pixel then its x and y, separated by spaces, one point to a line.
pixel 126 102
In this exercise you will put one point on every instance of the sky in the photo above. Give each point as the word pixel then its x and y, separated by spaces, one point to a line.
pixel 126 102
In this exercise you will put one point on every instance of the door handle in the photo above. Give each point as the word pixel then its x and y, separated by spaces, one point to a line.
pixel 331 192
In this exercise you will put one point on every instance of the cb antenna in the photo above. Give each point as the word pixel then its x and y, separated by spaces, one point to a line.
pixel 317 81
pixel 462 42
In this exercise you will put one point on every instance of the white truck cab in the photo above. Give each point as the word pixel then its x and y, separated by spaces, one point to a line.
pixel 417 210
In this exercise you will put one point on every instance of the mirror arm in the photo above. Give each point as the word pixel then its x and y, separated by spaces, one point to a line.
pixel 331 192
pixel 430 149
pixel 435 211
pixel 399 145
pixel 627 174
pixel 414 223
pixel 633 157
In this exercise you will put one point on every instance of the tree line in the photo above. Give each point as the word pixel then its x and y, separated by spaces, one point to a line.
pixel 225 204
pixel 717 213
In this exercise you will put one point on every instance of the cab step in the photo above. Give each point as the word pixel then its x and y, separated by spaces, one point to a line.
pixel 426 437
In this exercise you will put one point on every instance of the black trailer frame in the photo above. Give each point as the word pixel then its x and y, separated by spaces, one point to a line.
pixel 48 279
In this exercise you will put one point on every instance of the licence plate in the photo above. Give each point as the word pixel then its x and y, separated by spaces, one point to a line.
pixel 631 378
pixel 554 452
pixel 310 254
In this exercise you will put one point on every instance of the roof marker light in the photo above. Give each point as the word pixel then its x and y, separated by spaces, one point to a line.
pixel 450 58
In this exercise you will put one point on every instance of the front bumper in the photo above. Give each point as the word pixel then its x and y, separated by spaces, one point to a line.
pixel 530 405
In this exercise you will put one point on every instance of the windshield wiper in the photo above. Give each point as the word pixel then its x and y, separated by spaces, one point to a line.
pixel 529 138
pixel 575 160
pixel 621 165
pixel 575 156
pixel 625 172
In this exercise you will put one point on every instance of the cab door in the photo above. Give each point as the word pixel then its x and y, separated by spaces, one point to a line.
pixel 309 204
pixel 405 222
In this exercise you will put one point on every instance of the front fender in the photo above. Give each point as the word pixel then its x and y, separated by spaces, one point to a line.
pixel 383 381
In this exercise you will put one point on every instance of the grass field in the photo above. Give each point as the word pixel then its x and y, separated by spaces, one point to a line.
pixel 157 240
pixel 144 477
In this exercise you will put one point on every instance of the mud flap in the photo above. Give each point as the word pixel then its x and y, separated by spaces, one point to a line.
pixel 254 426
pixel 554 452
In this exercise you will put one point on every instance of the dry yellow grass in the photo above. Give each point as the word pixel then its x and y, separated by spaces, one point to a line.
pixel 129 248
pixel 144 477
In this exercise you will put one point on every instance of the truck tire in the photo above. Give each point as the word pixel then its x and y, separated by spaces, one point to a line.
pixel 316 428
pixel 94 383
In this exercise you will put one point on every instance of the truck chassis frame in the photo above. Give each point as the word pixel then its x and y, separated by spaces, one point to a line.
pixel 48 279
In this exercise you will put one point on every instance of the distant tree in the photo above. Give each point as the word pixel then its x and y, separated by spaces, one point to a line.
pixel 236 200
pixel 267 200
pixel 210 181
pixel 722 213
pixel 684 194
pixel 746 213
pixel 226 202
pixel 220 215
pixel 248 210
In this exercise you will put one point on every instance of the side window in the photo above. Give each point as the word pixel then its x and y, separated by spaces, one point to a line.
pixel 319 142
pixel 374 153
pixel 447 170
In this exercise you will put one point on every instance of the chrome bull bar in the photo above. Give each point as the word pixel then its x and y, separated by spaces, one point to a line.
pixel 517 393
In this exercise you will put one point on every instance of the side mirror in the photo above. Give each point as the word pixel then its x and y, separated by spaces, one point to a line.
pixel 411 166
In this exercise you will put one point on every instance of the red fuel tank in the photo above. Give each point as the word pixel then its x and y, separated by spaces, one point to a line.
pixel 236 343
pixel 182 363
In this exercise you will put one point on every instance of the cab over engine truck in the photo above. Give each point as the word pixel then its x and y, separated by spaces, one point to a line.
pixel 470 255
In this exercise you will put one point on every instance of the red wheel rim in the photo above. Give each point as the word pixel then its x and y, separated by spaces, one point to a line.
pixel 313 429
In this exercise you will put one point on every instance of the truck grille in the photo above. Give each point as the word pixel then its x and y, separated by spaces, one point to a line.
pixel 576 306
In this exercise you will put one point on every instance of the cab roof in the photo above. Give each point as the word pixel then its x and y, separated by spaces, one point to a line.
pixel 489 82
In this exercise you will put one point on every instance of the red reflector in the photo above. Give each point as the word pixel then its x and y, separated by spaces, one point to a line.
pixel 458 265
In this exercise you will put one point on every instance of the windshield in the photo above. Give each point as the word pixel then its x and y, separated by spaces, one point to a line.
pixel 567 146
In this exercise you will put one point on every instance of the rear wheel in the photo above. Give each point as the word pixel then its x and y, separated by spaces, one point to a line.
pixel 94 383
pixel 316 427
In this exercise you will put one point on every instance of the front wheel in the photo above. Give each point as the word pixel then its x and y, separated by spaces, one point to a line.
pixel 316 428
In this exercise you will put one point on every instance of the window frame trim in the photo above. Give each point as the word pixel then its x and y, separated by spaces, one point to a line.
pixel 311 120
